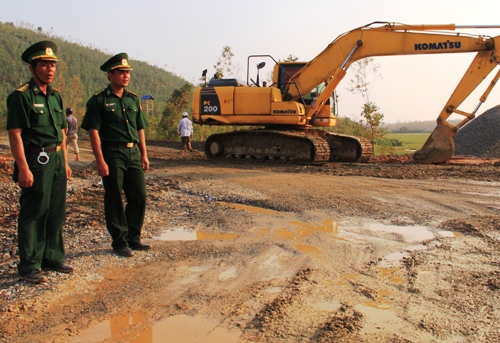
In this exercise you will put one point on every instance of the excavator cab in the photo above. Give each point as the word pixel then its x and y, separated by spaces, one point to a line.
pixel 283 79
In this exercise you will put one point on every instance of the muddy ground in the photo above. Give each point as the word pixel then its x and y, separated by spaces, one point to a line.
pixel 269 252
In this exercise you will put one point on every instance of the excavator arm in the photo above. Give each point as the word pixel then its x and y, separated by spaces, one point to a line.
pixel 390 39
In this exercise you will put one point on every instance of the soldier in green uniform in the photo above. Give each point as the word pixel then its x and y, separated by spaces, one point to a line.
pixel 116 123
pixel 36 123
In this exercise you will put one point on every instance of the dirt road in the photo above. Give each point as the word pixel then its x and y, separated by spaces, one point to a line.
pixel 250 252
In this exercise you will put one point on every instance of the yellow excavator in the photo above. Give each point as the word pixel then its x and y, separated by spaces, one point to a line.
pixel 287 111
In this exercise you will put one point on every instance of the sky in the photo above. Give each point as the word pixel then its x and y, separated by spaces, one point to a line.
pixel 186 37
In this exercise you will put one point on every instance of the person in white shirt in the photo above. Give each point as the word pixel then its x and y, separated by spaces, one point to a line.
pixel 185 131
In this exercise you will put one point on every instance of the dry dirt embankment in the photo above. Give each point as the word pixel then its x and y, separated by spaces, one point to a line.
pixel 279 253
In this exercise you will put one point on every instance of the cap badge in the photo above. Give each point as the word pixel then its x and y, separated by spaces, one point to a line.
pixel 124 62
pixel 49 52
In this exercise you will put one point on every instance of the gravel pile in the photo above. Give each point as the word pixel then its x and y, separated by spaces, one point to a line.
pixel 481 136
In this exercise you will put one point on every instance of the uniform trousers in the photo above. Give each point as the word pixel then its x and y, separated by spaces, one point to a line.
pixel 42 214
pixel 126 176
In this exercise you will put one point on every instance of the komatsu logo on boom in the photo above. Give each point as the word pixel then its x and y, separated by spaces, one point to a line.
pixel 284 111
pixel 438 46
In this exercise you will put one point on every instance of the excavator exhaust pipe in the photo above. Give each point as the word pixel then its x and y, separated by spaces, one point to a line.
pixel 439 147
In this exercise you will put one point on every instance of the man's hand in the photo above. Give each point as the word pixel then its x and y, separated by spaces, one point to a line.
pixel 25 178
pixel 69 172
pixel 145 162
pixel 102 168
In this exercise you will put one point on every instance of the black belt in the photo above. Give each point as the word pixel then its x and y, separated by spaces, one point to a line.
pixel 37 150
pixel 120 144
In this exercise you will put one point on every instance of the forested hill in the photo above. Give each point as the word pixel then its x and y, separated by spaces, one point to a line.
pixel 78 74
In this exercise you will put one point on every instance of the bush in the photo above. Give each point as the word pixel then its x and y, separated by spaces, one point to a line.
pixel 388 142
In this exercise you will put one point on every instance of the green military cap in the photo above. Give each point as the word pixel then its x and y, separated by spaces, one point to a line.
pixel 119 61
pixel 44 50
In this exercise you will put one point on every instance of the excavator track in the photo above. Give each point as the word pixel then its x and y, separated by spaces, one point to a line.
pixel 299 146
pixel 345 148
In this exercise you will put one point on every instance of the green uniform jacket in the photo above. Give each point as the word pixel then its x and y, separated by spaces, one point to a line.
pixel 41 117
pixel 117 119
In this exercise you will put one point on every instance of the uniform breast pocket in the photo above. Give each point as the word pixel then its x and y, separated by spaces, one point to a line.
pixel 113 114
pixel 39 116
pixel 131 109
pixel 132 112
pixel 59 116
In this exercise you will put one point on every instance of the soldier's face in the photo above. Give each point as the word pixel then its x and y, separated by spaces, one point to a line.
pixel 119 78
pixel 45 71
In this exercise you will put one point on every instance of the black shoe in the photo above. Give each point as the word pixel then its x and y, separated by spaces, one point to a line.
pixel 35 276
pixel 62 268
pixel 141 246
pixel 125 252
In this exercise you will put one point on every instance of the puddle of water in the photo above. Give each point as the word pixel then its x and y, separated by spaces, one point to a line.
pixel 230 273
pixel 308 248
pixel 381 300
pixel 273 290
pixel 447 234
pixel 202 236
pixel 379 320
pixel 310 228
pixel 326 305
pixel 410 233
pixel 177 234
pixel 182 234
pixel 174 329
pixel 119 328
pixel 285 233
pixel 388 272
pixel 248 208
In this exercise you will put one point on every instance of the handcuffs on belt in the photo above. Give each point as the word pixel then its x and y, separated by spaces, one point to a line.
pixel 43 158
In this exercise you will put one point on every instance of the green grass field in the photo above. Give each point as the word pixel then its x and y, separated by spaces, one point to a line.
pixel 411 142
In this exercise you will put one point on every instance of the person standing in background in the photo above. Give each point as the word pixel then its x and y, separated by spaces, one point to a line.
pixel 72 132
pixel 37 137
pixel 185 131
pixel 116 124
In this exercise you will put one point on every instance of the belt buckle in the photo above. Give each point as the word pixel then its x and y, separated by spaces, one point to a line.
pixel 130 145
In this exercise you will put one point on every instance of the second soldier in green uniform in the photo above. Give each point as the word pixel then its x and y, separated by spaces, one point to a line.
pixel 116 123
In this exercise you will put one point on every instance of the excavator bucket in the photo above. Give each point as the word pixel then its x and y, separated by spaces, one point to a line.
pixel 439 147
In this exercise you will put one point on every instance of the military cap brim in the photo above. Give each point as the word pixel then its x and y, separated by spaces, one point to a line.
pixel 119 61
pixel 44 50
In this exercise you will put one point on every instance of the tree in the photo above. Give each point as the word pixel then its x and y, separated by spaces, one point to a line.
pixel 291 58
pixel 364 69
pixel 374 119
pixel 178 102
pixel 224 65
pixel 73 95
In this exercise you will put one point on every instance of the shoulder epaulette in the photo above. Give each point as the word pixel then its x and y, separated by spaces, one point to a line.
pixel 133 93
pixel 99 92
pixel 23 87
pixel 55 90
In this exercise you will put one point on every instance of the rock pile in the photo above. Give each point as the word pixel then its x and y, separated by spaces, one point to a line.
pixel 481 136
